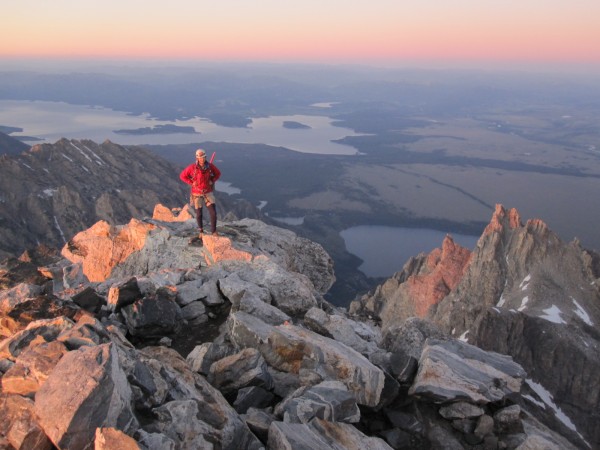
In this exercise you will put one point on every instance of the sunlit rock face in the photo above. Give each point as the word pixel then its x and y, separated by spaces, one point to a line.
pixel 423 282
pixel 102 247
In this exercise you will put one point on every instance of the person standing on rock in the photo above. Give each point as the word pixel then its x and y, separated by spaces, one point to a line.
pixel 202 176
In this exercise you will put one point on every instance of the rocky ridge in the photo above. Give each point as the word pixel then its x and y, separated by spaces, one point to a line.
pixel 142 340
pixel 522 292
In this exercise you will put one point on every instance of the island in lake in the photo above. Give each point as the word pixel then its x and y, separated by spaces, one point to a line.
pixel 159 129
pixel 295 125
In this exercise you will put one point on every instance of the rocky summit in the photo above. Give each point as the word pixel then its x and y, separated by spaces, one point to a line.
pixel 141 336
pixel 50 192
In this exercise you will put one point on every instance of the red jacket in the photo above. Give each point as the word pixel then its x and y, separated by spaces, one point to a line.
pixel 202 179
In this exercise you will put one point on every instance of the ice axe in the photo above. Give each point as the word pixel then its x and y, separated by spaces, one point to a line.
pixel 212 158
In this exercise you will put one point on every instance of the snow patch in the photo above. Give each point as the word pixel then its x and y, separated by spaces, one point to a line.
pixel 28 166
pixel 62 235
pixel 66 157
pixel 501 302
pixel 535 401
pixel 463 337
pixel 525 283
pixel 546 397
pixel 46 170
pixel 99 160
pixel 582 313
pixel 49 192
pixel 524 303
pixel 86 169
pixel 552 314
pixel 81 151
pixel 262 204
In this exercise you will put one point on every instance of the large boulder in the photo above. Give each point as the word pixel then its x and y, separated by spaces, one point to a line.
pixel 152 317
pixel 358 335
pixel 454 370
pixel 99 396
pixel 290 292
pixel 100 248
pixel 293 349
pixel 288 250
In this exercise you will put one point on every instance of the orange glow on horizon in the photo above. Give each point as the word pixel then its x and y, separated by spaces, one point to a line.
pixel 355 31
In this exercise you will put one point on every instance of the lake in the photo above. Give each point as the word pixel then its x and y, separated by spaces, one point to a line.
pixel 384 250
pixel 51 121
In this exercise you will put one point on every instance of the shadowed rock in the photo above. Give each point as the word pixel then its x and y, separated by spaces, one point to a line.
pixel 154 316
pixel 294 349
pixel 243 369
pixel 329 400
pixel 321 434
pixel 453 370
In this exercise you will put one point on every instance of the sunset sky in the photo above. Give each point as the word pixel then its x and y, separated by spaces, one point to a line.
pixel 363 31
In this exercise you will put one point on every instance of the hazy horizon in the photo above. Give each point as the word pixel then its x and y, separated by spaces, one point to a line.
pixel 466 33
pixel 589 70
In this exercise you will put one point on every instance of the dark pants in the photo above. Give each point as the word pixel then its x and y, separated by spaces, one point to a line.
pixel 212 211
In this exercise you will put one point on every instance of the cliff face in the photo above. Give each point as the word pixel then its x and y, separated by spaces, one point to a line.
pixel 522 292
pixel 424 281
pixel 52 191
pixel 88 360
pixel 10 145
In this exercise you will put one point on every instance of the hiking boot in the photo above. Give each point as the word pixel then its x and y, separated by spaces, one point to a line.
pixel 214 233
pixel 200 233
